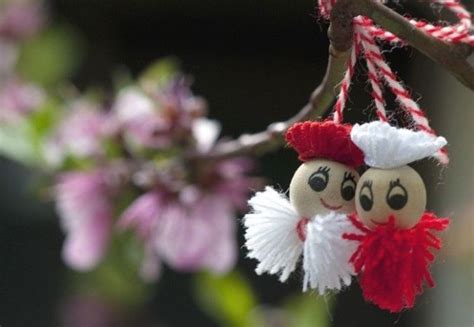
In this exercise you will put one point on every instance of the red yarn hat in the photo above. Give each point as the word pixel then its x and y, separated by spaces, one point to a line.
pixel 325 140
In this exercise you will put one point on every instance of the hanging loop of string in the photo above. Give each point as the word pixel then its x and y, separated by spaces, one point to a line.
pixel 379 73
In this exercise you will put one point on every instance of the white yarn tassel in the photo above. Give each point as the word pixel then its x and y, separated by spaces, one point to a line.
pixel 271 235
pixel 326 254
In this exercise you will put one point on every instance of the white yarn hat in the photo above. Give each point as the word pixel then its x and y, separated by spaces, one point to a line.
pixel 387 147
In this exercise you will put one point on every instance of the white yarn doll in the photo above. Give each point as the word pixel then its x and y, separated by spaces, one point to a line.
pixel 311 223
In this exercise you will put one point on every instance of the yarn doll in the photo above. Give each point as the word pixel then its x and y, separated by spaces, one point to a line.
pixel 311 223
pixel 394 250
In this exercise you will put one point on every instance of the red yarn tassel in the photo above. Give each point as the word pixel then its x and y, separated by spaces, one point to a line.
pixel 394 263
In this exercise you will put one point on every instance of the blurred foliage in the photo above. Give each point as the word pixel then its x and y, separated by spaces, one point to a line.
pixel 16 145
pixel 51 57
pixel 24 140
pixel 116 278
pixel 41 123
pixel 159 72
pixel 309 310
pixel 229 299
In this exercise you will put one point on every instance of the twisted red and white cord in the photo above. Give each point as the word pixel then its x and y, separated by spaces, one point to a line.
pixel 345 85
pixel 451 34
pixel 365 35
pixel 459 33
pixel 372 71
pixel 376 62
pixel 325 7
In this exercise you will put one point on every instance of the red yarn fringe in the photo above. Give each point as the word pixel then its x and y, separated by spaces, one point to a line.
pixel 325 140
pixel 394 263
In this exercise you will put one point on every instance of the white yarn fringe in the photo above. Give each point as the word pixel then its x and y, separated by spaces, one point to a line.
pixel 271 234
pixel 272 239
pixel 326 254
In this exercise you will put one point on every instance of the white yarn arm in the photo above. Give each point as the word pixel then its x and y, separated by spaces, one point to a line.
pixel 326 254
pixel 271 236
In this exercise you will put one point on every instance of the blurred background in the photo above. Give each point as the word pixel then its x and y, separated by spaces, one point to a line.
pixel 255 62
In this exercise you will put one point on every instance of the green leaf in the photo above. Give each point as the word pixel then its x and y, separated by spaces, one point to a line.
pixel 44 119
pixel 50 57
pixel 112 148
pixel 15 143
pixel 159 73
pixel 309 310
pixel 229 299
pixel 22 141
pixel 41 124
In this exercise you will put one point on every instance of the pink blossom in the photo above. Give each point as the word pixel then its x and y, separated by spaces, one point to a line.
pixel 189 233
pixel 234 182
pixel 141 119
pixel 197 230
pixel 159 118
pixel 84 206
pixel 194 229
pixel 82 133
pixel 192 226
pixel 179 104
pixel 199 234
pixel 142 216
pixel 20 19
pixel 18 99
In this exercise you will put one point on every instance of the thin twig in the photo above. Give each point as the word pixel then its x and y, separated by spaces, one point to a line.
pixel 340 34
pixel 272 137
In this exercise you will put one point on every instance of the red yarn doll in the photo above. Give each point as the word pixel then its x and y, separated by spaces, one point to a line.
pixel 397 236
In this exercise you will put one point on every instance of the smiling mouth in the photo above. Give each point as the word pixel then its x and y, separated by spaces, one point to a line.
pixel 330 207
pixel 377 223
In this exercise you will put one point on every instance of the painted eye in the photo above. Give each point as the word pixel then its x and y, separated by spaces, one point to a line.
pixel 319 179
pixel 348 186
pixel 366 196
pixel 397 195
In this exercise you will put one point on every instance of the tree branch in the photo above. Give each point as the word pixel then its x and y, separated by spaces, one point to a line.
pixel 272 138
pixel 340 33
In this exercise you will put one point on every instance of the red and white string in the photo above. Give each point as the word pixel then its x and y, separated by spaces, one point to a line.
pixel 458 33
pixel 346 84
pixel 379 72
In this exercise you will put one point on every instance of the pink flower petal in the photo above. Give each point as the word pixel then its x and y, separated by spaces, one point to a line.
pixel 86 217
pixel 85 246
pixel 142 214
pixel 198 236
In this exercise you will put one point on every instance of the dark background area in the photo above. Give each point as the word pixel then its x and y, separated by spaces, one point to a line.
pixel 255 62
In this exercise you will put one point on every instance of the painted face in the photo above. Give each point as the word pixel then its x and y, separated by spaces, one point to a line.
pixel 383 192
pixel 320 186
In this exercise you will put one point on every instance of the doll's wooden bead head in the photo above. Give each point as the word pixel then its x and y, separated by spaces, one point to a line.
pixel 326 181
pixel 382 193
pixel 391 187
pixel 320 186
